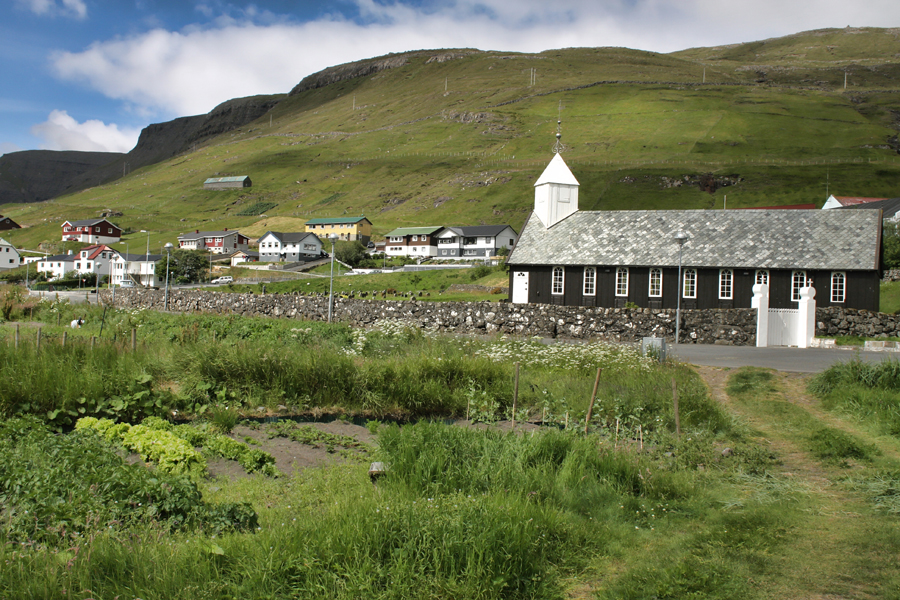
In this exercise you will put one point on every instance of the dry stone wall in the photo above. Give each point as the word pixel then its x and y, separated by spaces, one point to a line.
pixel 834 322
pixel 731 327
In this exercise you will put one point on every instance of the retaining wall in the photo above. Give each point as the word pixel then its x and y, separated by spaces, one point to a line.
pixel 732 327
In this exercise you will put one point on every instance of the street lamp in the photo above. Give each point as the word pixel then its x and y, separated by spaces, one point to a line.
pixel 331 237
pixel 681 237
pixel 148 250
pixel 168 254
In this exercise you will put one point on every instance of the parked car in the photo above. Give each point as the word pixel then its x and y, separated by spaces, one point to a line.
pixel 223 279
pixel 127 283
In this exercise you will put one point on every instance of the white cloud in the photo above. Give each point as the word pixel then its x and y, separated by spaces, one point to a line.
pixel 52 8
pixel 165 73
pixel 62 132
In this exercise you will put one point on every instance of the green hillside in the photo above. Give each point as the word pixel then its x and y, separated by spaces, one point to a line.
pixel 459 137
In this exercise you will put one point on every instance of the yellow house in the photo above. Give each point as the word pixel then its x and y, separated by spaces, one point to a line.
pixel 346 228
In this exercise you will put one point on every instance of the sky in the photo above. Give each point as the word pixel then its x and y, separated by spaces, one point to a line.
pixel 90 74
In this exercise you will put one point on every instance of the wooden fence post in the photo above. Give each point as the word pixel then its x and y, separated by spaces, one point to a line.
pixel 38 342
pixel 133 339
pixel 92 341
pixel 675 403
pixel 515 396
pixel 590 411
pixel 17 337
pixel 65 335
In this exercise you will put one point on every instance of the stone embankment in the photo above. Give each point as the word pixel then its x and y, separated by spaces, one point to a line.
pixel 732 327
pixel 837 322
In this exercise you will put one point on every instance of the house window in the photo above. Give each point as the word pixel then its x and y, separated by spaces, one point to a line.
pixel 690 284
pixel 798 282
pixel 559 275
pixel 590 281
pixel 762 277
pixel 469 240
pixel 109 230
pixel 78 265
pixel 415 238
pixel 838 286
pixel 655 283
pixel 471 252
pixel 443 252
pixel 622 281
pixel 726 284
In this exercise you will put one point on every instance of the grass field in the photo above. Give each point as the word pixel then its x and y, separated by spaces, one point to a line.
pixel 770 491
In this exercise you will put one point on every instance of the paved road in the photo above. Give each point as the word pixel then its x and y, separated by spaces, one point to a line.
pixel 809 360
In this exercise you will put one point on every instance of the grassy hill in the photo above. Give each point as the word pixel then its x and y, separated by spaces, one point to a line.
pixel 459 137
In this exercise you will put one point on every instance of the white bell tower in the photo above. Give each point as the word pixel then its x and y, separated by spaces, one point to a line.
pixel 555 193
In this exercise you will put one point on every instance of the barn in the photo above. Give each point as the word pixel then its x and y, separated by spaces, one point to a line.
pixel 711 258
pixel 227 183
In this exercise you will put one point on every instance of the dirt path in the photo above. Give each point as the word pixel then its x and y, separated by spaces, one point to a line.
pixel 837 539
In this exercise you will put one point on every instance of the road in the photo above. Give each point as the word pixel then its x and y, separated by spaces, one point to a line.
pixel 798 360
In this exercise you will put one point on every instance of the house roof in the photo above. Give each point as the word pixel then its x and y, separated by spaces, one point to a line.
pixel 889 207
pixel 247 253
pixel 205 234
pixel 142 257
pixel 292 237
pixel 808 239
pixel 852 200
pixel 480 230
pixel 59 258
pixel 336 220
pixel 87 222
pixel 782 207
pixel 402 231
pixel 556 172
pixel 227 179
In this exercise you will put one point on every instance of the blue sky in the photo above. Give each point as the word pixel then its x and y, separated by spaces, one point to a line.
pixel 89 74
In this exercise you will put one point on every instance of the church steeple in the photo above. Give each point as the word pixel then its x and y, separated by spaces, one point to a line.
pixel 555 192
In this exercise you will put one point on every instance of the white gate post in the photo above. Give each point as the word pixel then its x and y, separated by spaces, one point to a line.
pixel 806 323
pixel 761 303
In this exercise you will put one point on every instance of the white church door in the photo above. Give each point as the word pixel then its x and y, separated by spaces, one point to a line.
pixel 520 287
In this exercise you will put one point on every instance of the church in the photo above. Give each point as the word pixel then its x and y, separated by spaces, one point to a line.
pixel 710 258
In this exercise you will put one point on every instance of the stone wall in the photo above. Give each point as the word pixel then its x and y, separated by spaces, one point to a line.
pixel 834 322
pixel 732 327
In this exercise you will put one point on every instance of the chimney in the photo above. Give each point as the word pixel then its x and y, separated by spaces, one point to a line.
pixel 226 229
pixel 196 231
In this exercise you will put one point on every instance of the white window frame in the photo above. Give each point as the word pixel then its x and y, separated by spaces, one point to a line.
pixel 798 282
pixel 689 284
pixel 762 276
pixel 726 284
pixel 622 282
pixel 590 281
pixel 838 287
pixel 656 276
pixel 558 281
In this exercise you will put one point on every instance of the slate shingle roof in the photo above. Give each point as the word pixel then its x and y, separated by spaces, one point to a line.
pixel 773 239
pixel 890 206
pixel 479 230
pixel 292 237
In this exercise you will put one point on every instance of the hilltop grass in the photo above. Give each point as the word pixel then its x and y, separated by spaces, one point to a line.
pixel 405 157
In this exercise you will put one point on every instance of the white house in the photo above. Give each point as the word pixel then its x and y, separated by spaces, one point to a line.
pixel 91 231
pixel 56 266
pixel 473 242
pixel 137 268
pixel 415 242
pixel 9 256
pixel 289 247
pixel 218 242
pixel 244 256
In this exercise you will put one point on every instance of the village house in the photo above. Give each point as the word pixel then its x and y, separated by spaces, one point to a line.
pixel 631 258
pixel 346 228
pixel 244 256
pixel 474 242
pixel 56 266
pixel 139 269
pixel 414 242
pixel 6 223
pixel 289 247
pixel 91 231
pixel 9 256
pixel 217 242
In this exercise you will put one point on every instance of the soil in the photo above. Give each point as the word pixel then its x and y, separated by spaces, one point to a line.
pixel 291 456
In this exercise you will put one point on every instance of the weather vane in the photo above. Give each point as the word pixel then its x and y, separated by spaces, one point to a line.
pixel 557 147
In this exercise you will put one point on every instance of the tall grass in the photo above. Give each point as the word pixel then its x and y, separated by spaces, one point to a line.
pixel 869 390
